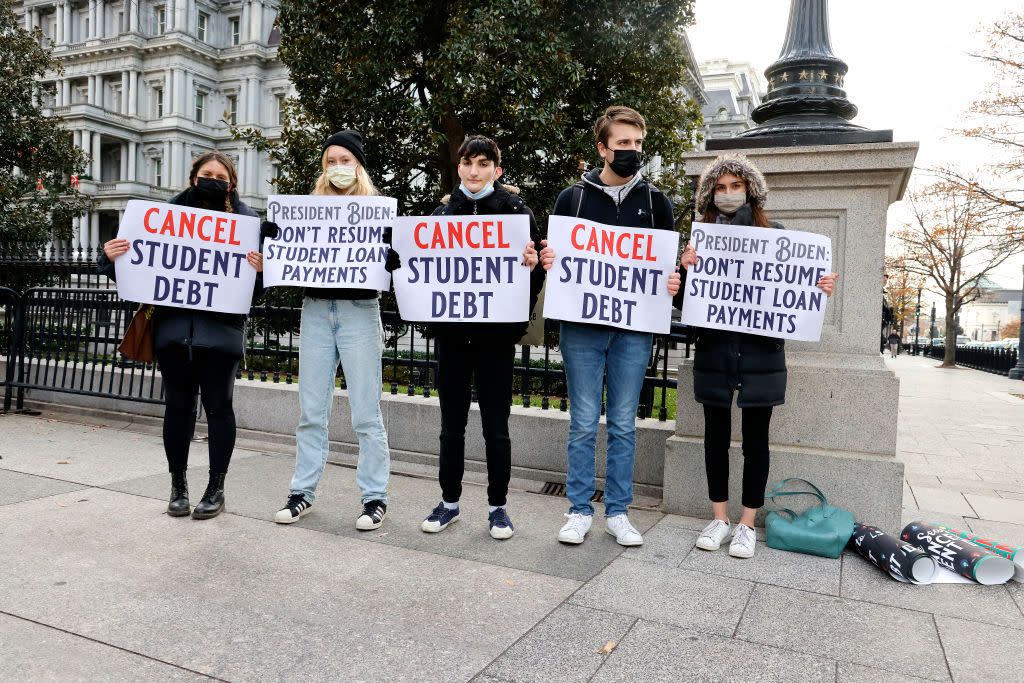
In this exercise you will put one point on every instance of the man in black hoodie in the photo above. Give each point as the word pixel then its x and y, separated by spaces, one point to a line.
pixel 615 194
pixel 479 354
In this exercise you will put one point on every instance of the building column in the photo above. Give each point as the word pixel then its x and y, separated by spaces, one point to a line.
pixel 254 100
pixel 85 144
pixel 58 18
pixel 133 153
pixel 166 159
pixel 133 93
pixel 94 231
pixel 67 91
pixel 76 138
pixel 243 23
pixel 91 32
pixel 96 168
pixel 256 17
pixel 123 105
pixel 180 87
pixel 58 93
pixel 101 19
pixel 178 153
pixel 122 161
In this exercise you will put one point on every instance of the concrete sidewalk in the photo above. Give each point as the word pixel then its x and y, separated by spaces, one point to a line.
pixel 96 583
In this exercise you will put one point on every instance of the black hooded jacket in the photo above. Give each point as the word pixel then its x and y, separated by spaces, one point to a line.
pixel 191 327
pixel 501 201
pixel 645 206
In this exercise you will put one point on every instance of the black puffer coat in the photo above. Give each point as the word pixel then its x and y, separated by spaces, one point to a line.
pixel 190 327
pixel 752 365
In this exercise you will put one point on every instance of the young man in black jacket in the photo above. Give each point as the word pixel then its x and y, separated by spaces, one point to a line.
pixel 615 194
pixel 479 354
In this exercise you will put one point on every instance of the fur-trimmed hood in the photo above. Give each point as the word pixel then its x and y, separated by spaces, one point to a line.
pixel 738 165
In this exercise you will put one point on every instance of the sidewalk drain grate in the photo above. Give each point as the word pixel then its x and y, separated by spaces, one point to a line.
pixel 553 488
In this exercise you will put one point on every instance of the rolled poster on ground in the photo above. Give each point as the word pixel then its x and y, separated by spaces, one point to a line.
pixel 1014 553
pixel 958 555
pixel 900 560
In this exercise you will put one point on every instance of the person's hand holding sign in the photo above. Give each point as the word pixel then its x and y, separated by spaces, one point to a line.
pixel 255 260
pixel 674 281
pixel 115 248
pixel 827 283
pixel 689 257
pixel 530 256
pixel 547 256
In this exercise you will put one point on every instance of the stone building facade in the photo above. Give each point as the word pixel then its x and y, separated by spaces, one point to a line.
pixel 148 84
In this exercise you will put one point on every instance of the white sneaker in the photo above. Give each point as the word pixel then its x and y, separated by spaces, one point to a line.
pixel 714 533
pixel 624 533
pixel 576 529
pixel 743 542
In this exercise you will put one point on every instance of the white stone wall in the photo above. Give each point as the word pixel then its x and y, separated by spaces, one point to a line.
pixel 117 68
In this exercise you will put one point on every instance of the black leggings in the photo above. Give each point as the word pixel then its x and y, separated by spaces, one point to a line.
pixel 487 365
pixel 717 434
pixel 211 373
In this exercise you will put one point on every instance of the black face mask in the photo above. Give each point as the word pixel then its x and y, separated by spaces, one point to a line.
pixel 211 190
pixel 625 162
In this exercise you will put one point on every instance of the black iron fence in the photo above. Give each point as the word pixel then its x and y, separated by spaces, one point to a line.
pixel 987 359
pixel 64 339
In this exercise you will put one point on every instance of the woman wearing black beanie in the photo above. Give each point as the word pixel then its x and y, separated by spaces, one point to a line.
pixel 340 326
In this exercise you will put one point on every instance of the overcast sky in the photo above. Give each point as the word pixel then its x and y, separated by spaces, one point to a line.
pixel 909 67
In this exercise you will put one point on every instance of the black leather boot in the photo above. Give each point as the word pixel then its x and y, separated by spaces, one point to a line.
pixel 212 503
pixel 178 505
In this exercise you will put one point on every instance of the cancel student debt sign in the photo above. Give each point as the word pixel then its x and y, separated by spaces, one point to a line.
pixel 328 241
pixel 187 258
pixel 610 275
pixel 464 268
pixel 757 280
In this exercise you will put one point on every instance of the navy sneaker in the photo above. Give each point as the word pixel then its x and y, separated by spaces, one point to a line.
pixel 439 519
pixel 501 525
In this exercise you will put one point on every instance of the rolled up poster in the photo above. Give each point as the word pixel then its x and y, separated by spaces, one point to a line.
pixel 902 561
pixel 958 555
pixel 1014 553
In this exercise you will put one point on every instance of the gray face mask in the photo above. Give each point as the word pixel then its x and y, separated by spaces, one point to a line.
pixel 730 202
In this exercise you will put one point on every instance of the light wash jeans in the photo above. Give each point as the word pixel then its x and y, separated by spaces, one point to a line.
pixel 588 354
pixel 334 330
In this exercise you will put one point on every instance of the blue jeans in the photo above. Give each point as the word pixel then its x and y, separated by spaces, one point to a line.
pixel 349 332
pixel 588 354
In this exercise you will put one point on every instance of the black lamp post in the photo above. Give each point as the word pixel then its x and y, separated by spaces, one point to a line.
pixel 917 323
pixel 1018 371
pixel 805 103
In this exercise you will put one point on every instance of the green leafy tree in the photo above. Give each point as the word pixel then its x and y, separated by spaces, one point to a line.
pixel 416 76
pixel 37 155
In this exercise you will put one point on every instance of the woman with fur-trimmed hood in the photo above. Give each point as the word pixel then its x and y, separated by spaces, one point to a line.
pixel 733 191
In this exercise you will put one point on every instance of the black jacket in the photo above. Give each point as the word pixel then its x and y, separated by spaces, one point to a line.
pixel 645 206
pixel 189 327
pixel 752 365
pixel 501 201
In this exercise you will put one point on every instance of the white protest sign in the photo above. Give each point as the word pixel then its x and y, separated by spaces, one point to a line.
pixel 462 268
pixel 757 280
pixel 328 241
pixel 610 275
pixel 187 258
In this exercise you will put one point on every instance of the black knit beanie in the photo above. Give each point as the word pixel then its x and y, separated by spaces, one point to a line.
pixel 350 140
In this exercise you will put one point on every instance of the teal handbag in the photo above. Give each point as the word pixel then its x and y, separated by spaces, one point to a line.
pixel 819 530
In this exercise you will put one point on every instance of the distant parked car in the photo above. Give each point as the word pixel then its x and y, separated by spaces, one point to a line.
pixel 938 341
pixel 1010 343
pixel 963 340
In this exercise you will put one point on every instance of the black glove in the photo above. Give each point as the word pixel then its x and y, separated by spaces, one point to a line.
pixel 269 229
pixel 392 262
pixel 744 216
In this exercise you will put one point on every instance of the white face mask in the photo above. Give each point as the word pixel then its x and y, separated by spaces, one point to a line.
pixel 730 202
pixel 342 177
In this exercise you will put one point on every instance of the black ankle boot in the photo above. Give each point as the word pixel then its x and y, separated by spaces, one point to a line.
pixel 178 505
pixel 212 503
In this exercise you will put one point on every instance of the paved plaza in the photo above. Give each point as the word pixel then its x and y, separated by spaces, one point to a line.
pixel 96 583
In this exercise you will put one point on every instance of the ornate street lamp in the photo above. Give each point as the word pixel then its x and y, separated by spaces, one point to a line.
pixel 805 103
pixel 1018 371
pixel 917 323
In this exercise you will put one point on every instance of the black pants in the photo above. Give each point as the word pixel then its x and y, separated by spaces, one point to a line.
pixel 717 430
pixel 487 364
pixel 213 374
